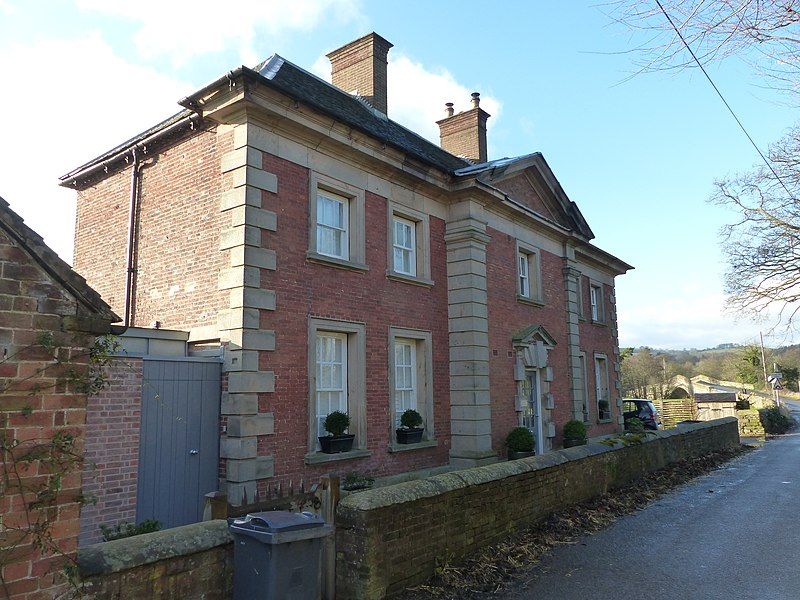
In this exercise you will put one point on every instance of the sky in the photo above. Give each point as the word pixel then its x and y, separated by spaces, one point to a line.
pixel 639 155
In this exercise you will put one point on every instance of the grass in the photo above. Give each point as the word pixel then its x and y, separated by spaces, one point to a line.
pixel 491 570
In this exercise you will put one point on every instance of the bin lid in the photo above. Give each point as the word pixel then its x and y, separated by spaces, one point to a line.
pixel 274 521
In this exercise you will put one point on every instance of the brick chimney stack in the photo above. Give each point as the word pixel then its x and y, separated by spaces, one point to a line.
pixel 360 68
pixel 464 134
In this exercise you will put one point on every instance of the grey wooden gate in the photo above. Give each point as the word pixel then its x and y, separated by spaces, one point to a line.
pixel 179 439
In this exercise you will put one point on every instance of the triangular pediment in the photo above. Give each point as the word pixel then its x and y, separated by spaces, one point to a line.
pixel 529 181
pixel 532 334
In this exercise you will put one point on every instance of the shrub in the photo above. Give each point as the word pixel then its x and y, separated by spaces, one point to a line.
pixel 410 419
pixel 774 421
pixel 125 530
pixel 357 481
pixel 575 430
pixel 634 425
pixel 336 423
pixel 520 439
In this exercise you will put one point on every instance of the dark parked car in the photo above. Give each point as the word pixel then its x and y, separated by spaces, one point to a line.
pixel 643 410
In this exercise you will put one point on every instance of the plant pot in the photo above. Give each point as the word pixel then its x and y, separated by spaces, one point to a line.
pixel 334 444
pixel 514 455
pixel 571 442
pixel 412 435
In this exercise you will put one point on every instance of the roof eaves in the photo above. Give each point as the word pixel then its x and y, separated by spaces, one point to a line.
pixel 59 270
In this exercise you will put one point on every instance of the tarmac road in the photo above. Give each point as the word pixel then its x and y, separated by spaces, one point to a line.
pixel 730 534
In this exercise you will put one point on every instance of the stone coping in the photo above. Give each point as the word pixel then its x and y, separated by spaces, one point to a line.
pixel 127 553
pixel 439 484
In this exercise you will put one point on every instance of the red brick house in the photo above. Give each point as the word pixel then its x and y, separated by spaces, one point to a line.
pixel 343 261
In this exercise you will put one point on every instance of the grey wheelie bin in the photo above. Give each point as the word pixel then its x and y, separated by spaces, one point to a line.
pixel 278 555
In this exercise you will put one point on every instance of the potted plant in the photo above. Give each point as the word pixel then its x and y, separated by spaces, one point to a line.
pixel 574 434
pixel 604 409
pixel 520 443
pixel 338 441
pixel 410 431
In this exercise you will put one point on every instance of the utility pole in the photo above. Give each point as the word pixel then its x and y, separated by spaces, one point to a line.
pixel 763 359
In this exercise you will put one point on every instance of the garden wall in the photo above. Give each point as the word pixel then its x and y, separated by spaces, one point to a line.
pixel 190 562
pixel 391 538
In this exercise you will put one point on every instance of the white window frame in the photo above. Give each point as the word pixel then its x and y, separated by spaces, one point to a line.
pixel 523 272
pixel 355 335
pixel 410 249
pixel 319 389
pixel 597 307
pixel 411 386
pixel 531 257
pixel 601 378
pixel 343 251
pixel 352 251
pixel 423 357
pixel 421 264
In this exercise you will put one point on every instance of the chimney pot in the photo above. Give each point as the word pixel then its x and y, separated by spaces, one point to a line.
pixel 464 134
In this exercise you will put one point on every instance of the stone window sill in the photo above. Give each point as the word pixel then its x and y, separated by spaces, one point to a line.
pixel 600 323
pixel 528 300
pixel 395 276
pixel 603 421
pixel 316 458
pixel 395 447
pixel 332 261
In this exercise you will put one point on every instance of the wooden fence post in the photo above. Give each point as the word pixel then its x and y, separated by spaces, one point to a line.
pixel 329 497
pixel 215 506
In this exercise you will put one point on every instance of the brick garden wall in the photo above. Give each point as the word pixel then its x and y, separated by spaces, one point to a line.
pixel 113 421
pixel 391 538
pixel 189 562
pixel 36 405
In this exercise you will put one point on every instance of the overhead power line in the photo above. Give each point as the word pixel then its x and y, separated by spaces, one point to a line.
pixel 724 101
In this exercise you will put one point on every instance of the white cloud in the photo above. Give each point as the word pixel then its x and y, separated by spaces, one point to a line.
pixel 417 94
pixel 7 8
pixel 680 318
pixel 184 30
pixel 88 102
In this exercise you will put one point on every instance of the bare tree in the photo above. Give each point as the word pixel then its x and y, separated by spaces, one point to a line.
pixel 762 247
pixel 764 33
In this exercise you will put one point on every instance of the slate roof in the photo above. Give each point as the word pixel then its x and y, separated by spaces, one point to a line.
pixel 34 245
pixel 298 83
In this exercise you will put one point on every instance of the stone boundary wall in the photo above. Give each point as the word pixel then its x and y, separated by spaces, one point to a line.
pixel 749 423
pixel 189 562
pixel 391 538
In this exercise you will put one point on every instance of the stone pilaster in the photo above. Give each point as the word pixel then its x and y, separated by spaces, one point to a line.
pixel 470 406
pixel 250 305
pixel 572 289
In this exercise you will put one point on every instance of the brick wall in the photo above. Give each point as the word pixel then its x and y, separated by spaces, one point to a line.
pixel 506 316
pixel 598 337
pixel 194 561
pixel 113 421
pixel 35 405
pixel 307 289
pixel 180 223
pixel 394 537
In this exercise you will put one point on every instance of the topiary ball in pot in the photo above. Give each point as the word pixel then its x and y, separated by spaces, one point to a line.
pixel 574 433
pixel 520 443
pixel 336 423
pixel 410 431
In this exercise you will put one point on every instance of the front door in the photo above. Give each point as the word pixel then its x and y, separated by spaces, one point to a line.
pixel 532 413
